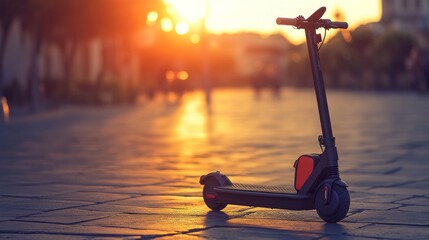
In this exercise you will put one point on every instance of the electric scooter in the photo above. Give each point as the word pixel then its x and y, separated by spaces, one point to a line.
pixel 317 181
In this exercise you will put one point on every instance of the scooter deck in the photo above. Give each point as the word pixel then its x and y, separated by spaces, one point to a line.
pixel 283 197
pixel 259 188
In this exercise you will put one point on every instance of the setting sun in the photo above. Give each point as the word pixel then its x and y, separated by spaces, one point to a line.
pixel 189 10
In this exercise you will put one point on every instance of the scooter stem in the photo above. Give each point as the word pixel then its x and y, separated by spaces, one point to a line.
pixel 322 103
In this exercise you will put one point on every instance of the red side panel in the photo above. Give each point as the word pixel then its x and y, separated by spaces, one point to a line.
pixel 304 167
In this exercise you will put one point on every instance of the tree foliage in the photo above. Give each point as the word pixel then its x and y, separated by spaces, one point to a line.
pixel 367 51
pixel 70 24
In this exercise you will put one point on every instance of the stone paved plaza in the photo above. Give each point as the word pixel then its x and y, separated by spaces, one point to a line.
pixel 132 172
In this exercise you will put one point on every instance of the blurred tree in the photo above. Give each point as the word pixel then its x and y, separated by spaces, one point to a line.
pixel 363 39
pixel 9 11
pixel 38 19
pixel 120 23
pixel 70 23
pixel 298 69
pixel 364 51
pixel 112 20
pixel 68 31
pixel 347 55
pixel 390 52
pixel 362 47
pixel 335 59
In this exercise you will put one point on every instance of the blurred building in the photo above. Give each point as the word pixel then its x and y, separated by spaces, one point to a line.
pixel 412 15
pixel 101 66
pixel 94 60
pixel 407 15
pixel 17 59
pixel 256 55
pixel 18 48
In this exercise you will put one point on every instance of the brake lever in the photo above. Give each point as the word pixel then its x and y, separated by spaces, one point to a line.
pixel 299 19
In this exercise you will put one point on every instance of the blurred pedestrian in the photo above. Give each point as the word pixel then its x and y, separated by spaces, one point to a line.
pixel 424 64
pixel 412 64
pixel 415 65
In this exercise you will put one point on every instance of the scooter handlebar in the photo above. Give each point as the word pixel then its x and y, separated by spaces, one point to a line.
pixel 301 23
pixel 342 25
pixel 286 21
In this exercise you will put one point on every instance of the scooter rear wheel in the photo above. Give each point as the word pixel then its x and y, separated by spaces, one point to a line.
pixel 210 196
pixel 338 205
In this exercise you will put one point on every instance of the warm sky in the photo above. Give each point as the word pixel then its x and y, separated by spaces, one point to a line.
pixel 259 15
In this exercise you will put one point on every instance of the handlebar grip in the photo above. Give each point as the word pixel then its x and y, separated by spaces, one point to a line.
pixel 342 25
pixel 286 21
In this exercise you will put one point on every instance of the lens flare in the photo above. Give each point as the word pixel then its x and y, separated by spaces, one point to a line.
pixel 183 75
pixel 194 38
pixel 151 18
pixel 182 28
pixel 170 76
pixel 166 25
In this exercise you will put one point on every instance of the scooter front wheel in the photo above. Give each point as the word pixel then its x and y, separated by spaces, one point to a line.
pixel 210 196
pixel 338 205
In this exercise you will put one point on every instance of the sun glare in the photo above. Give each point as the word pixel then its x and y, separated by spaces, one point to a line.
pixel 232 16
pixel 188 10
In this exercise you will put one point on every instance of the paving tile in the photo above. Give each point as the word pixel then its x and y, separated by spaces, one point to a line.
pixel 295 225
pixel 17 227
pixel 13 213
pixel 420 201
pixel 112 231
pixel 264 213
pixel 391 217
pixel 22 236
pixel 179 236
pixel 377 198
pixel 250 233
pixel 355 205
pixel 162 201
pixel 400 191
pixel 391 231
pixel 201 210
pixel 166 223
pixel 66 216
pixel 345 237
pixel 30 191
pixel 194 190
pixel 417 184
pixel 95 197
pixel 417 209
pixel 42 204
pixel 374 180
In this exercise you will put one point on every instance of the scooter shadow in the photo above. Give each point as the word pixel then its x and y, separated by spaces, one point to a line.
pixel 334 230
pixel 214 219
pixel 217 226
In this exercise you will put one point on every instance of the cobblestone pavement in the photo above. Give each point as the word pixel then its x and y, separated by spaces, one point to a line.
pixel 132 172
